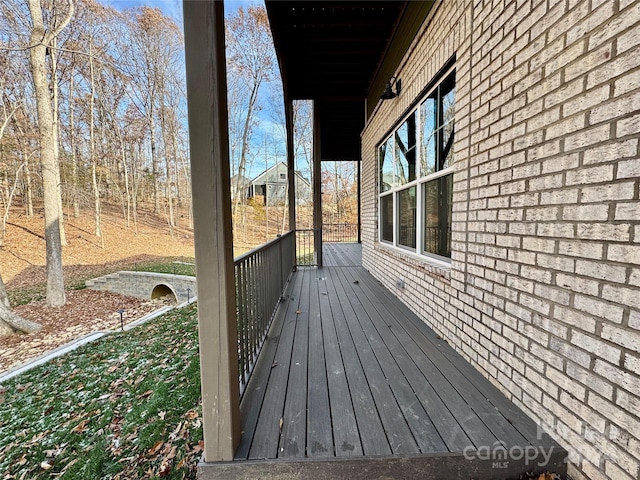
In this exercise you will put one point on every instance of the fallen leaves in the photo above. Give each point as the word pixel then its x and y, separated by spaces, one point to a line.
pixel 111 417
pixel 153 450
pixel 145 394
pixel 85 311
pixel 81 427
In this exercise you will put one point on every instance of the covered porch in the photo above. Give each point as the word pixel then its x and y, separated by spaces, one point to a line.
pixel 348 383
pixel 351 384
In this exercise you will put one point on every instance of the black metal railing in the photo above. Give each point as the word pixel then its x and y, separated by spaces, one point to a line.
pixel 261 275
pixel 339 232
pixel 305 247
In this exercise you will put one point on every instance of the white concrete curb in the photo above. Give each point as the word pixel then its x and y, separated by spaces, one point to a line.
pixel 88 338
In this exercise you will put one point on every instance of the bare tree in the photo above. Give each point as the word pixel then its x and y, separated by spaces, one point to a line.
pixel 251 62
pixel 11 323
pixel 153 44
pixel 41 40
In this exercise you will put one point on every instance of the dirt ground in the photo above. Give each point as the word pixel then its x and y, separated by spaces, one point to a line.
pixel 24 247
pixel 22 264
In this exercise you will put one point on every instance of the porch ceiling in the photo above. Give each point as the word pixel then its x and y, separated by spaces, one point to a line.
pixel 330 52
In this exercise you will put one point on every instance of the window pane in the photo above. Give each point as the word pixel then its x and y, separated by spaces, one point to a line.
pixel 386 165
pixel 448 101
pixel 428 128
pixel 438 195
pixel 406 150
pixel 407 217
pixel 447 148
pixel 448 114
pixel 386 217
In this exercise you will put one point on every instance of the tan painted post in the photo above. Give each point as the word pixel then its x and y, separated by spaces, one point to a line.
pixel 291 173
pixel 317 185
pixel 208 119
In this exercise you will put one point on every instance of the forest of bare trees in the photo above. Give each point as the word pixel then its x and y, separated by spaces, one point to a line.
pixel 93 112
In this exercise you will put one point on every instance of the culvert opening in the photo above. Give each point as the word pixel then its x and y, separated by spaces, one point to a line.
pixel 165 294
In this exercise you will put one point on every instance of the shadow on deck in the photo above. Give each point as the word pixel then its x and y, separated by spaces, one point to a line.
pixel 352 384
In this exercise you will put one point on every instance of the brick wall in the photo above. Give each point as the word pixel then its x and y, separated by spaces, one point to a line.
pixel 543 292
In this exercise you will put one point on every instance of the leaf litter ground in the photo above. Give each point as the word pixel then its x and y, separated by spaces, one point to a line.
pixel 126 406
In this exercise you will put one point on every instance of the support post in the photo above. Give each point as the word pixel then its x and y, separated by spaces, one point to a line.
pixel 208 140
pixel 317 185
pixel 291 172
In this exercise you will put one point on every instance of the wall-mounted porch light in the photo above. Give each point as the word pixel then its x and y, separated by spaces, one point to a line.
pixel 388 93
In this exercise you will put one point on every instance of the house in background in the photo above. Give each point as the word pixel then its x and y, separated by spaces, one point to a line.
pixel 270 186
pixel 500 180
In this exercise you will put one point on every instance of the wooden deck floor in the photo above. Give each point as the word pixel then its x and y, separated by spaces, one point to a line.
pixel 342 254
pixel 348 371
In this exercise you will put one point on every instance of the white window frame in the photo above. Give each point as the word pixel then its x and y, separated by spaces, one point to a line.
pixel 419 183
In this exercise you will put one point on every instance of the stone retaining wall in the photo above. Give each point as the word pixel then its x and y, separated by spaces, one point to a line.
pixel 146 285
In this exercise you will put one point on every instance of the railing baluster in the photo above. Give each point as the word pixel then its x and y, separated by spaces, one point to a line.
pixel 339 233
pixel 261 276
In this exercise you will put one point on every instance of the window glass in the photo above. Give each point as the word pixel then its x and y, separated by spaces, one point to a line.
pixel 386 165
pixel 437 215
pixel 407 217
pixel 386 217
pixel 428 145
pixel 448 113
pixel 415 154
pixel 405 140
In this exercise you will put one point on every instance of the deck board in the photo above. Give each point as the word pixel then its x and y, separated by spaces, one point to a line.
pixel 294 418
pixel 372 434
pixel 265 439
pixel 353 373
pixel 343 418
pixel 319 436
pixel 482 421
pixel 342 254
pixel 488 402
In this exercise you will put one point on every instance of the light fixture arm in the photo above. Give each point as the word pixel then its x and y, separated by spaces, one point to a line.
pixel 388 93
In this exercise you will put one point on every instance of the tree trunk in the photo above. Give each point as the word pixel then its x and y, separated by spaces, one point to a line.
pixel 11 323
pixel 245 145
pixel 55 129
pixel 126 181
pixel 154 165
pixel 74 156
pixel 92 148
pixel 167 164
pixel 27 187
pixel 8 202
pixel 50 167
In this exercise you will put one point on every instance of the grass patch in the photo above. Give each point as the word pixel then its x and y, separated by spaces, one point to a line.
pixel 126 406
pixel 25 295
pixel 182 266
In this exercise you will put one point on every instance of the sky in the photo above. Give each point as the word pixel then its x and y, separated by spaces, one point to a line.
pixel 266 128
pixel 173 8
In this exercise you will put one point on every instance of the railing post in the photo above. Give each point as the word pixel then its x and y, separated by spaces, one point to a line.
pixel 317 184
